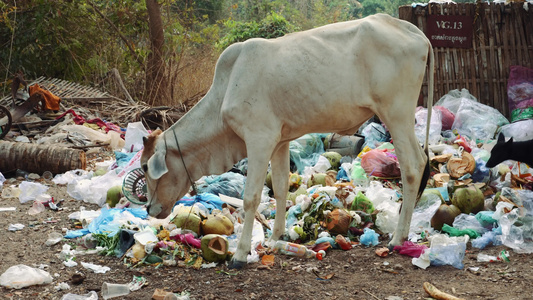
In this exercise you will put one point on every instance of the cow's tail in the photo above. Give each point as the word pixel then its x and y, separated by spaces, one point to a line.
pixel 431 75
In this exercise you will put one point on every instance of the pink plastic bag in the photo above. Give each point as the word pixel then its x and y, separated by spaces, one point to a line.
pixel 519 86
pixel 447 117
pixel 411 249
pixel 380 163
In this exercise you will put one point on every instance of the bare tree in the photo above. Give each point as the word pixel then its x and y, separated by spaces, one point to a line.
pixel 157 85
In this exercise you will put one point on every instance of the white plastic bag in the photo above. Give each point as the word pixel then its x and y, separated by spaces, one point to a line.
pixel 30 190
pixel 20 276
pixel 95 189
pixel 478 121
pixel 452 100
pixel 92 295
pixel 134 137
pixel 435 127
pixel 2 179
pixel 520 131
pixel 445 250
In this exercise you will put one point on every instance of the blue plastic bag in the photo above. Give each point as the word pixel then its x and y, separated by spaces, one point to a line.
pixel 210 201
pixel 369 237
pixel 230 184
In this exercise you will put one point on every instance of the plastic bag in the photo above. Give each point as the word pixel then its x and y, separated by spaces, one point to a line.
pixel 520 131
pixel 452 100
pixel 520 91
pixel 72 176
pixel 133 140
pixel 519 238
pixel 464 221
pixel 369 237
pixel 229 184
pixel 435 127
pixel 92 295
pixel 30 190
pixel 94 190
pixel 357 174
pixel 411 249
pixel 20 276
pixel 477 121
pixel 445 250
pixel 2 180
pixel 420 221
pixel 375 134
pixel 447 117
pixel 381 163
pixel 379 194
pixel 486 239
pixel 306 150
pixel 388 216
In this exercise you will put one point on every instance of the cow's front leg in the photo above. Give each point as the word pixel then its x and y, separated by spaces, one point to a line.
pixel 257 168
pixel 280 164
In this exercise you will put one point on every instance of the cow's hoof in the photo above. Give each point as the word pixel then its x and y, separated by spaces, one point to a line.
pixel 237 265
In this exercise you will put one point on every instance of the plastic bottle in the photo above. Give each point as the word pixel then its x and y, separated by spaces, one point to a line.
pixel 293 249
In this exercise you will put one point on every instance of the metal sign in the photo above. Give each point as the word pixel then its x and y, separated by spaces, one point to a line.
pixel 450 31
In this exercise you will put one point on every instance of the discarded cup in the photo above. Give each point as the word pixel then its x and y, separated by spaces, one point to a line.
pixel 112 290
pixel 53 238
pixel 47 175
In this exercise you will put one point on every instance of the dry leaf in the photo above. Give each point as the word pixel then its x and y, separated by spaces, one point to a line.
pixel 268 260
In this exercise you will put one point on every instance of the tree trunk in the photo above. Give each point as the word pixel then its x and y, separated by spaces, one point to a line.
pixel 40 158
pixel 157 87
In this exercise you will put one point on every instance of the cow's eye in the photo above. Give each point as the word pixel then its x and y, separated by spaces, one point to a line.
pixel 145 168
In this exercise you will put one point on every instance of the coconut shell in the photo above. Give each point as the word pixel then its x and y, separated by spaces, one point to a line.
pixel 217 224
pixel 214 247
pixel 460 166
pixel 469 199
pixel 441 178
pixel 445 214
pixel 188 220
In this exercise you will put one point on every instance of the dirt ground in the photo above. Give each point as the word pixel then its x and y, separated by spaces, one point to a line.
pixel 354 274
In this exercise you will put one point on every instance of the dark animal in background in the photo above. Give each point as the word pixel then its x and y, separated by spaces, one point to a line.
pixel 15 84
pixel 519 151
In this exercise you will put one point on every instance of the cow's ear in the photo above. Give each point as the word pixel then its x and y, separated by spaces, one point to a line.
pixel 157 165
pixel 501 138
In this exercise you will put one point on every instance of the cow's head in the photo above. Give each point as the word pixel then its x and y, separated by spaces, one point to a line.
pixel 162 167
pixel 500 152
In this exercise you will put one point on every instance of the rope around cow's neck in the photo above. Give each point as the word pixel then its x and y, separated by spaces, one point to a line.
pixel 183 161
pixel 190 179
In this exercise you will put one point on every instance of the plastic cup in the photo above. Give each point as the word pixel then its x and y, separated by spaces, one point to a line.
pixel 112 290
pixel 47 175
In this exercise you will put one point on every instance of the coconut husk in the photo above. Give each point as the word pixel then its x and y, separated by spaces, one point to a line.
pixel 441 179
pixel 460 166
pixel 441 158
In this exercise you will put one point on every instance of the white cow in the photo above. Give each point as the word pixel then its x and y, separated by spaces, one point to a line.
pixel 266 93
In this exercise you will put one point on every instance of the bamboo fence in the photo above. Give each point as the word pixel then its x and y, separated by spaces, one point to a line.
pixel 503 37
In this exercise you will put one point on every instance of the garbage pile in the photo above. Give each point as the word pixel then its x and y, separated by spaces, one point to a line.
pixel 344 192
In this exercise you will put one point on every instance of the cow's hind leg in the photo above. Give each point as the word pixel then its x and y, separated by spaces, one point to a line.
pixel 259 152
pixel 413 163
pixel 280 164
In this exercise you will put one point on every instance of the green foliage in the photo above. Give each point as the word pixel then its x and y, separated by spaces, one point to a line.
pixel 273 26
pixel 71 40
